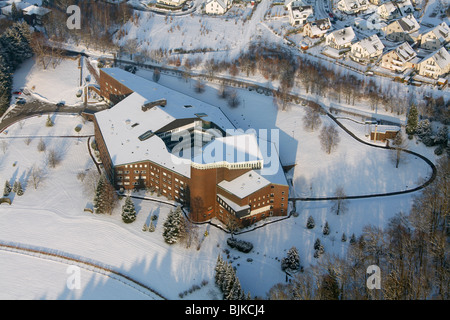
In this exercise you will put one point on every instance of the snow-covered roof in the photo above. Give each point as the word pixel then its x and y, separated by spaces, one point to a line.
pixel 405 52
pixel 122 125
pixel 441 31
pixel 441 57
pixel 222 3
pixel 409 24
pixel 320 26
pixel 371 44
pixel 381 128
pixel 19 5
pixel 240 148
pixel 343 36
pixel 40 11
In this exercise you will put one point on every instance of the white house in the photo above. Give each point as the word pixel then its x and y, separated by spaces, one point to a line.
pixel 366 49
pixel 400 58
pixel 299 13
pixel 317 28
pixel 353 6
pixel 403 29
pixel 340 39
pixel 435 38
pixel 435 65
pixel 172 3
pixel 218 6
pixel 389 11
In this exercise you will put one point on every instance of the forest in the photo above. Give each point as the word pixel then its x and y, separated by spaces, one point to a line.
pixel 411 252
pixel 14 49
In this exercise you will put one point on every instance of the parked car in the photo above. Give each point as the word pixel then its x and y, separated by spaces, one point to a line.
pixel 60 104
pixel 21 101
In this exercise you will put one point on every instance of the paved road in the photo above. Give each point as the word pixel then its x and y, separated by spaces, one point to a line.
pixel 35 107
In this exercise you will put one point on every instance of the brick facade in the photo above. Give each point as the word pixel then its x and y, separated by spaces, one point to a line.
pixel 200 191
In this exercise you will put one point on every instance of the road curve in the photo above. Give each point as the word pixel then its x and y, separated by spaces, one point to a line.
pixel 385 194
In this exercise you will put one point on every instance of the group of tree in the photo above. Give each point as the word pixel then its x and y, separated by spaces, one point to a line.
pixel 99 21
pixel 17 188
pixel 14 49
pixel 423 130
pixel 412 252
pixel 105 198
pixel 228 282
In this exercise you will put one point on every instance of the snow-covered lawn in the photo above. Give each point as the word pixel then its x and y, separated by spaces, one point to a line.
pixel 59 84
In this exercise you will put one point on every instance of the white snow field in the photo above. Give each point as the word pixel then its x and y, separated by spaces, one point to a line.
pixel 51 217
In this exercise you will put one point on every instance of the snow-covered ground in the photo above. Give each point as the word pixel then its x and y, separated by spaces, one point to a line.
pixel 59 84
pixel 51 217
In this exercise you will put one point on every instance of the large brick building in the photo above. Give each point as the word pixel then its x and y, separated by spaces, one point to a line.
pixel 187 151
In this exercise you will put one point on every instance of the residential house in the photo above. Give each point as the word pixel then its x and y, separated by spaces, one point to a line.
pixel 367 49
pixel 353 6
pixel 435 38
pixel 218 6
pixel 317 28
pixel 389 11
pixel 405 6
pixel 6 10
pixel 435 65
pixel 383 132
pixel 403 29
pixel 400 58
pixel 35 16
pixel 299 13
pixel 171 3
pixel 340 39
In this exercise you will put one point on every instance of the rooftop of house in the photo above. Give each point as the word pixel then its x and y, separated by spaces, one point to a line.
pixel 343 36
pixel 441 57
pixel 371 44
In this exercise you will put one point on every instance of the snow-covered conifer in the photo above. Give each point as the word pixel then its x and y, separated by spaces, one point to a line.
pixel 128 211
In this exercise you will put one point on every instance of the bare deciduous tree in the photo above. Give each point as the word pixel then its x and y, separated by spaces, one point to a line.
pixel 340 205
pixel 36 175
pixel 311 120
pixel 329 138
pixel 53 158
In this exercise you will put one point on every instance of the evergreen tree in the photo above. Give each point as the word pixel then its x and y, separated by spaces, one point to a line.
pixel 98 198
pixel 7 190
pixel 128 211
pixel 19 189
pixel 219 271
pixel 49 122
pixel 14 189
pixel 292 261
pixel 174 226
pixel 15 15
pixel 310 224
pixel 326 229
pixel 151 226
pixel 353 239
pixel 413 118
pixel 344 237
pixel 317 244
